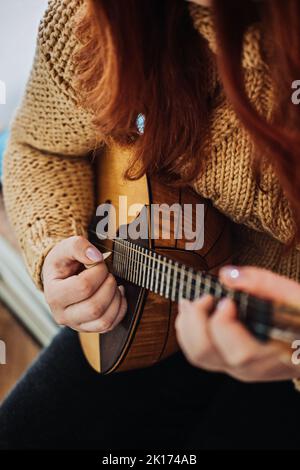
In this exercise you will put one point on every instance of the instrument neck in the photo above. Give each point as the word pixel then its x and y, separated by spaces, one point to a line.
pixel 162 275
pixel 174 281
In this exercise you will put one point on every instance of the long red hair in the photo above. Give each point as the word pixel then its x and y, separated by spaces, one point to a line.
pixel 144 56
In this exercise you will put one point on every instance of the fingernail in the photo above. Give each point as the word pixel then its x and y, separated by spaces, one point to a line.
pixel 93 254
pixel 231 273
pixel 122 290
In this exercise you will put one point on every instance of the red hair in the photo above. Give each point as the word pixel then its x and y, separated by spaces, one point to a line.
pixel 142 56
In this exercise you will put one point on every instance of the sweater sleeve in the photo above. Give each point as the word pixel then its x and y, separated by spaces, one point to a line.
pixel 48 178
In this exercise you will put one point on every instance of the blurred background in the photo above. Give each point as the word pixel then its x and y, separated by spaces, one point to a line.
pixel 25 322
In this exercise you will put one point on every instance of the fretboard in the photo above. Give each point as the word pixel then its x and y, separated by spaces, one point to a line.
pixel 172 280
pixel 162 275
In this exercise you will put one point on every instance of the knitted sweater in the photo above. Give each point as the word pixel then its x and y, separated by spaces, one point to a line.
pixel 48 175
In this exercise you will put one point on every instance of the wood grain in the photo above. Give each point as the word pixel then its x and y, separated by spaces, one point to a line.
pixel 147 332
pixel 21 350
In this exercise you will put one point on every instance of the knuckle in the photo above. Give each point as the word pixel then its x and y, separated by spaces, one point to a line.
pixel 111 281
pixel 95 309
pixel 77 241
pixel 240 359
pixel 56 263
pixel 104 324
pixel 85 288
pixel 59 265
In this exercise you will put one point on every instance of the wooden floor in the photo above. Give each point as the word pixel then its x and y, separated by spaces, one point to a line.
pixel 20 348
pixel 20 351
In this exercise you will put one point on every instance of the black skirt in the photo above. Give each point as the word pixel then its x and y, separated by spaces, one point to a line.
pixel 61 403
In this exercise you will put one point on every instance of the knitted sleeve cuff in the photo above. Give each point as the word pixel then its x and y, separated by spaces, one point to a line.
pixel 39 239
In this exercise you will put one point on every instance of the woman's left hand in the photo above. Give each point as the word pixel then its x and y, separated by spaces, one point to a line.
pixel 214 339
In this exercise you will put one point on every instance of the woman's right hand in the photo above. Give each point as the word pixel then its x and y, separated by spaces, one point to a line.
pixel 86 300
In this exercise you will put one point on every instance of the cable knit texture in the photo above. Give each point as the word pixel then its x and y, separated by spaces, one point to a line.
pixel 48 176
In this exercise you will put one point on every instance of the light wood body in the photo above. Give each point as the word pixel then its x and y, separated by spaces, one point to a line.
pixel 150 336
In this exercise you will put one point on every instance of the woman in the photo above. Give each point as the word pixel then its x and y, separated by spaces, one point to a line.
pixel 214 83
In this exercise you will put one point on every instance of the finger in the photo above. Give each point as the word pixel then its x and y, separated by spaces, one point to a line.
pixel 105 322
pixel 95 306
pixel 119 317
pixel 236 345
pixel 65 292
pixel 121 313
pixel 191 318
pixel 262 283
pixel 61 262
pixel 193 335
pixel 266 369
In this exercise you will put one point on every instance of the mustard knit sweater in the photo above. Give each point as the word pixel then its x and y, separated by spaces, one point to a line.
pixel 48 176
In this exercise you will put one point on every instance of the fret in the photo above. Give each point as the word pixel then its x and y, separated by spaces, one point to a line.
pixel 157 274
pixel 189 283
pixel 168 274
pixel 174 283
pixel 218 290
pixel 207 285
pixel 130 262
pixel 119 261
pixel 144 269
pixel 115 262
pixel 148 267
pixel 136 265
pixel 181 282
pixel 185 281
pixel 120 249
pixel 193 286
pixel 162 283
pixel 197 286
pixel 132 268
pixel 126 254
pixel 230 294
pixel 152 264
pixel 140 266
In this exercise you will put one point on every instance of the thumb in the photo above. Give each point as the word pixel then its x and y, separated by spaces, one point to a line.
pixel 81 250
pixel 63 260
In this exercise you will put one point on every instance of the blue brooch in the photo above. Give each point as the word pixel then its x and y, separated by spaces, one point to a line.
pixel 140 123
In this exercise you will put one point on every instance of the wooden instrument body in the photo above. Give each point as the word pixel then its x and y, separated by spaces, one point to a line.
pixel 147 333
